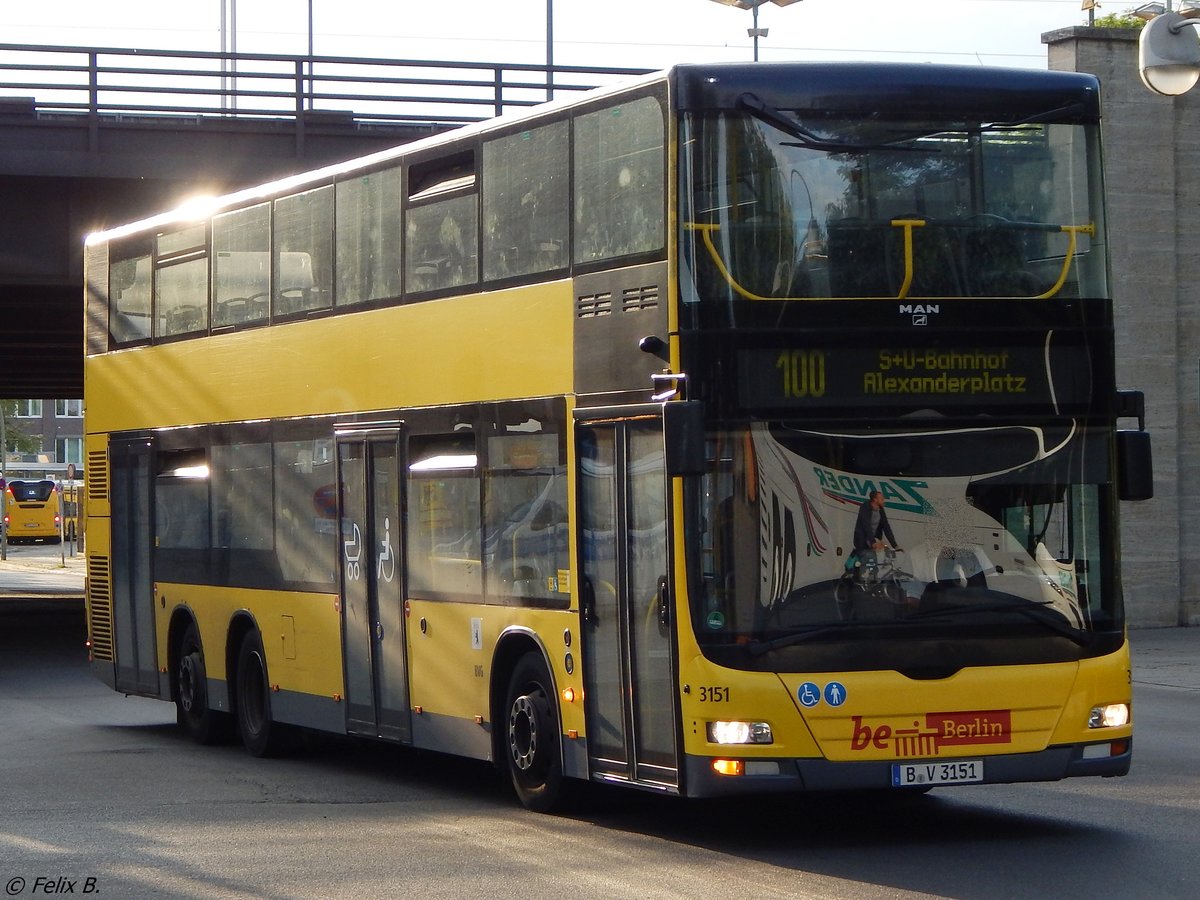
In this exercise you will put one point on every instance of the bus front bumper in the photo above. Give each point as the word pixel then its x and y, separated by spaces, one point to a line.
pixel 786 775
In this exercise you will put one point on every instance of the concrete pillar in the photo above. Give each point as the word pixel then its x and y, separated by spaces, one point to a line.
pixel 1152 178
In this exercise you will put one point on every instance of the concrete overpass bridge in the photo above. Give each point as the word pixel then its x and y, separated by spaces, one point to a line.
pixel 93 137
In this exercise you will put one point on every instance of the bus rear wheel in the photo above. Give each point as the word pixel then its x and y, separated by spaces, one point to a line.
pixel 532 736
pixel 261 735
pixel 204 724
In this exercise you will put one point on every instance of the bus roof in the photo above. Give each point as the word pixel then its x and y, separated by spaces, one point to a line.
pixel 976 92
pixel 200 208
pixel 979 93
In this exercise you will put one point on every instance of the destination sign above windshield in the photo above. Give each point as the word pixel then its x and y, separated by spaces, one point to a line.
pixel 1055 378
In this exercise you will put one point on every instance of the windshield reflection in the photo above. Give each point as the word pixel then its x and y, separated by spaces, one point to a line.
pixel 976 529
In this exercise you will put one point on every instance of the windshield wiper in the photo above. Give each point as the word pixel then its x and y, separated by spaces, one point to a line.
pixel 809 139
pixel 1039 614
pixel 758 648
pixel 1061 115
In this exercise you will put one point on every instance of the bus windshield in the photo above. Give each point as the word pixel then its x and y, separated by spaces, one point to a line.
pixel 977 533
pixel 787 204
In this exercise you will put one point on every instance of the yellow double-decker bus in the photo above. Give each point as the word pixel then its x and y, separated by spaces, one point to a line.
pixel 547 442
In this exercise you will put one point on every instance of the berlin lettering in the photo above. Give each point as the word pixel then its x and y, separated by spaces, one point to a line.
pixel 941 730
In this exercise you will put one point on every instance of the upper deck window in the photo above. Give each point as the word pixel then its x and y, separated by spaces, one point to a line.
pixel 242 266
pixel 619 181
pixel 129 281
pixel 441 241
pixel 181 281
pixel 303 258
pixel 368 237
pixel 785 205
pixel 525 202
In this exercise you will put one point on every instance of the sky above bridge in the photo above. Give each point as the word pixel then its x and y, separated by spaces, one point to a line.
pixel 637 33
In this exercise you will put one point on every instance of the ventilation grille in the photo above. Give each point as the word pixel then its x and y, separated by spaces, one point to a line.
pixel 592 306
pixel 99 595
pixel 645 297
pixel 97 475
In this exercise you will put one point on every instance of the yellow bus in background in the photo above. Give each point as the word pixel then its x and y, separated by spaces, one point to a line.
pixel 32 511
pixel 546 442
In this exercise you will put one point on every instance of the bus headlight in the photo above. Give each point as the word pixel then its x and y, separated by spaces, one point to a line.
pixel 739 733
pixel 1113 715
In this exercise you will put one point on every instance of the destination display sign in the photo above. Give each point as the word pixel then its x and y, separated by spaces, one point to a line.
pixel 1057 378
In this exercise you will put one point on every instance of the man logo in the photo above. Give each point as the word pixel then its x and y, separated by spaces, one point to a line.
pixel 920 312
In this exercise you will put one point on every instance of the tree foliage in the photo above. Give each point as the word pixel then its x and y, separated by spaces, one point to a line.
pixel 16 439
pixel 1119 20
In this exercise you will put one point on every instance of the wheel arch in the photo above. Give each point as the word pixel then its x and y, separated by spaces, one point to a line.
pixel 513 644
pixel 182 617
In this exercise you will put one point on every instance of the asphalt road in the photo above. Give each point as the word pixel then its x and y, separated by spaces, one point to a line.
pixel 101 795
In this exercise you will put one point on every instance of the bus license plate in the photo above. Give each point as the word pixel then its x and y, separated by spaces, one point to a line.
pixel 962 771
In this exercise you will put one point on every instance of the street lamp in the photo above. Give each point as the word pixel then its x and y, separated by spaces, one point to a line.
pixel 549 49
pixel 753 6
pixel 1169 57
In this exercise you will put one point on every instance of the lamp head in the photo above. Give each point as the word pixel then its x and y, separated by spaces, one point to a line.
pixel 1169 54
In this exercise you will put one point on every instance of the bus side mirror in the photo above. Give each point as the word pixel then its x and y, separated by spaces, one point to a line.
pixel 683 435
pixel 1135 465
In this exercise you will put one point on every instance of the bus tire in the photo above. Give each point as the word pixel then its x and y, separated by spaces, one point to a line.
pixel 261 735
pixel 204 724
pixel 532 736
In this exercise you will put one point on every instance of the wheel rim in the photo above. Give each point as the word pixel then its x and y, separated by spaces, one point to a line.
pixel 190 683
pixel 523 732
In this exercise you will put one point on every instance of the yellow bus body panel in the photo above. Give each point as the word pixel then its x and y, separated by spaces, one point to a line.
pixel 519 345
pixel 301 632
pixel 450 657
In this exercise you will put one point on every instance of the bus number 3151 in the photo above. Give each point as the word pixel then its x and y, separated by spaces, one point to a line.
pixel 803 373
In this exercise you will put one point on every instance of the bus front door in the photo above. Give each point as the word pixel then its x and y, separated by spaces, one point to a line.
pixel 626 603
pixel 376 665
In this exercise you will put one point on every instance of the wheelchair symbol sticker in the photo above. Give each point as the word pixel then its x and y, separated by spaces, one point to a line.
pixel 385 568
pixel 810 694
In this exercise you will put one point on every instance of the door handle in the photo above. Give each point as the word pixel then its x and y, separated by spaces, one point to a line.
pixel 664 601
pixel 587 602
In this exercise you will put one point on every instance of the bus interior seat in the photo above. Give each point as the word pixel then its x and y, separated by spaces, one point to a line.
pixel 295 282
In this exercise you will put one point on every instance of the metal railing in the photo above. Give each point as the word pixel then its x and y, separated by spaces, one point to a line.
pixel 48 81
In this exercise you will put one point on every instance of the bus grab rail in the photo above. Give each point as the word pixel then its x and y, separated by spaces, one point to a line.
pixel 1072 231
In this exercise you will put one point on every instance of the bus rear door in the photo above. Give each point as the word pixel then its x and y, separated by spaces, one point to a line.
pixel 372 584
pixel 132 486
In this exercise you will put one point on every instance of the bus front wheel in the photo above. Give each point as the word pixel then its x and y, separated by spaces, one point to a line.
pixel 260 734
pixel 532 736
pixel 205 725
